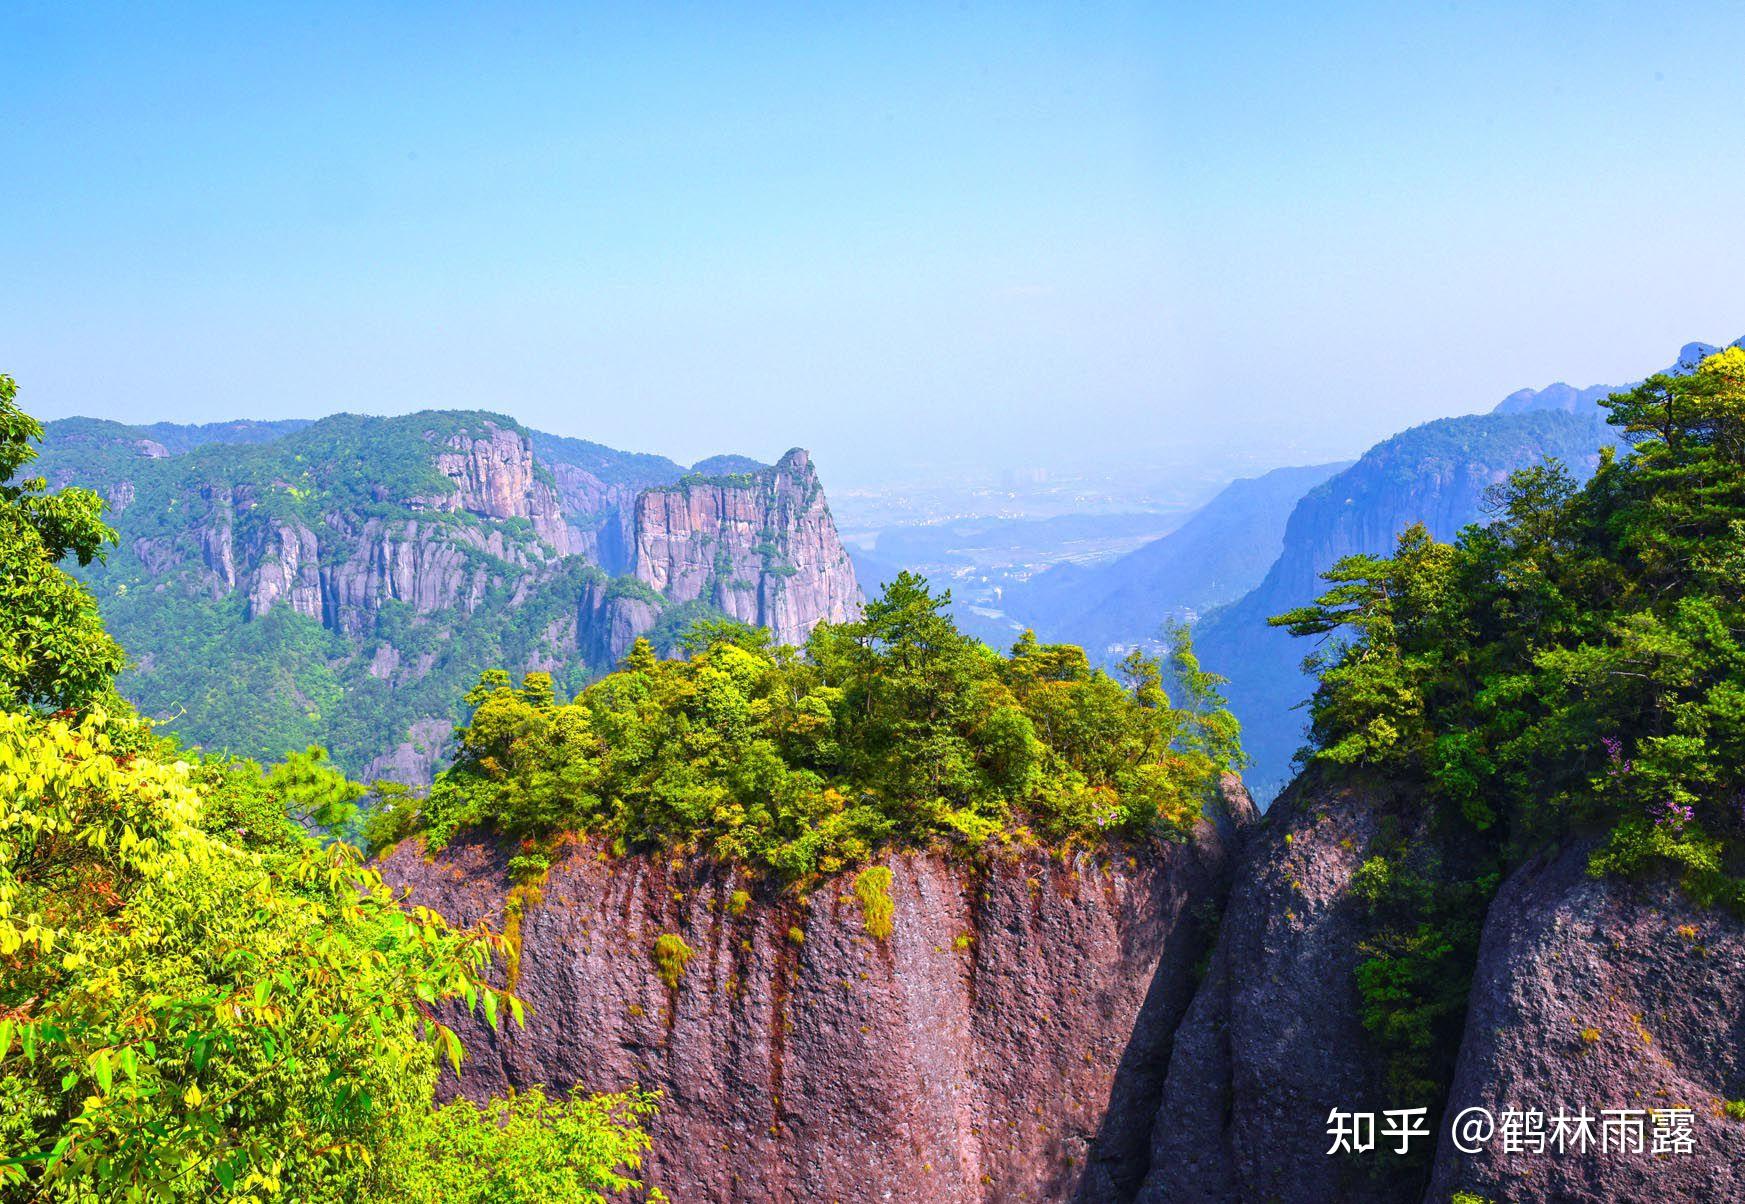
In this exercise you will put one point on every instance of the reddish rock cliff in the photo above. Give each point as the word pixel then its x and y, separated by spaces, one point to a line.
pixel 1005 1042
pixel 1594 993
pixel 1273 1038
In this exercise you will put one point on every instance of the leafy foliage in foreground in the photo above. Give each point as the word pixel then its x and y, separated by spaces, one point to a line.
pixel 530 1149
pixel 1576 664
pixel 197 1001
pixel 52 645
pixel 894 729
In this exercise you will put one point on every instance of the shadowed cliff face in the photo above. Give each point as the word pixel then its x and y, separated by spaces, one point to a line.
pixel 1273 1038
pixel 1006 1041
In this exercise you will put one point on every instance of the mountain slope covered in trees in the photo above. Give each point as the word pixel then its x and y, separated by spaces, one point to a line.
pixel 343 582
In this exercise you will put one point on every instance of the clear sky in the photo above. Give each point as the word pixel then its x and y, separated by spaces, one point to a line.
pixel 894 234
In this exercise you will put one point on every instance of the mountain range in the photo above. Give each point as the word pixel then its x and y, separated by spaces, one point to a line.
pixel 344 581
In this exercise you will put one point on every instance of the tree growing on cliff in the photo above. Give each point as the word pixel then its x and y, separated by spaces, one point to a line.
pixel 1577 664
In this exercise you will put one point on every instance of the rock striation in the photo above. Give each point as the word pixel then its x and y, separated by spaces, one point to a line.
pixel 494 477
pixel 1006 1041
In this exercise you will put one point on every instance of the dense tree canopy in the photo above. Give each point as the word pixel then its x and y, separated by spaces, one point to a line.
pixel 893 729
pixel 1576 661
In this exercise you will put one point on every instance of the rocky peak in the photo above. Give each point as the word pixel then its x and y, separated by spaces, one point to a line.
pixel 760 546
pixel 431 546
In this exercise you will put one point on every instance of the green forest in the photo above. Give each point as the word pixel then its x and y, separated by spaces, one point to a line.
pixel 1571 668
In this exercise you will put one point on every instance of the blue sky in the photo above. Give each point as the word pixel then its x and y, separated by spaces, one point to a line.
pixel 997 233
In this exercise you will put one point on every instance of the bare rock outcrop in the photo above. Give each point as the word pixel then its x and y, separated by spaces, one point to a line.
pixel 600 514
pixel 287 569
pixel 1006 1041
pixel 1600 994
pixel 760 546
pixel 1587 992
pixel 416 758
pixel 1273 1039
pixel 494 477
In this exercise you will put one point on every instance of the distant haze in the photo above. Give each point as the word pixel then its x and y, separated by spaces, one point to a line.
pixel 1005 235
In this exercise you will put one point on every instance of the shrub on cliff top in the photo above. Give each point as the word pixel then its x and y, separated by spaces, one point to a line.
pixel 893 730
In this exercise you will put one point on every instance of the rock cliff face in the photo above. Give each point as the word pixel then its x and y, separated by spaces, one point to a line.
pixel 759 546
pixel 1273 1038
pixel 493 477
pixel 1005 1042
pixel 600 515
pixel 1599 994
pixel 339 562
pixel 1587 993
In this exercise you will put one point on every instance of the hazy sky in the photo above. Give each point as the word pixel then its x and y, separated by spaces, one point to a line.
pixel 895 235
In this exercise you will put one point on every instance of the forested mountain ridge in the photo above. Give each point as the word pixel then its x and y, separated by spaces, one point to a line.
pixel 1438 474
pixel 342 582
